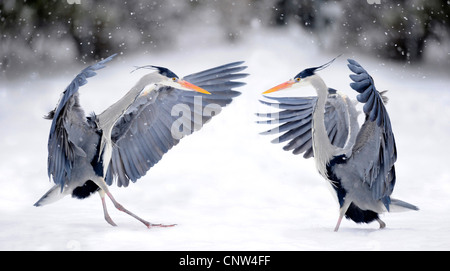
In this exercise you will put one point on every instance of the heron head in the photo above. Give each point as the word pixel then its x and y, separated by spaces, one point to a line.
pixel 301 79
pixel 169 78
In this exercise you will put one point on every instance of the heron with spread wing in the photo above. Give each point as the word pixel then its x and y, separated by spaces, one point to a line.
pixel 87 154
pixel 358 162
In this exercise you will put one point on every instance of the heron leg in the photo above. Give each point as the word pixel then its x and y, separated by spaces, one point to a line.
pixel 121 208
pixel 104 190
pixel 342 212
pixel 382 224
pixel 105 211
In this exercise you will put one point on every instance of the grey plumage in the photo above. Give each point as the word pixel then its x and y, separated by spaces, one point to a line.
pixel 146 126
pixel 375 151
pixel 357 161
pixel 297 119
pixel 68 120
pixel 86 154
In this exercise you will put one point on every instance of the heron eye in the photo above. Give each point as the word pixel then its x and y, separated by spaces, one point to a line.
pixel 174 79
pixel 297 79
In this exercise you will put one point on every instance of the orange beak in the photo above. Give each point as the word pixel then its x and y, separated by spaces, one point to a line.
pixel 188 85
pixel 281 86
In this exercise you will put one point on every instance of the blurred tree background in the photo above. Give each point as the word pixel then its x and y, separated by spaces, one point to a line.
pixel 396 29
pixel 38 33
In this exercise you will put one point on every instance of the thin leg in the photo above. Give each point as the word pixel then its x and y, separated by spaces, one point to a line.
pixel 336 228
pixel 342 212
pixel 105 211
pixel 104 189
pixel 382 224
pixel 121 208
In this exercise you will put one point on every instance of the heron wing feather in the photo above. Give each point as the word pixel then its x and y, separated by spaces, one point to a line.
pixel 151 125
pixel 68 118
pixel 296 121
pixel 374 151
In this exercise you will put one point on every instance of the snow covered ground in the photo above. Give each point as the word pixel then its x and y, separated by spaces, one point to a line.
pixel 227 187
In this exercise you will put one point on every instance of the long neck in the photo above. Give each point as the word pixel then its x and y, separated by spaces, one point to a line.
pixel 108 118
pixel 322 147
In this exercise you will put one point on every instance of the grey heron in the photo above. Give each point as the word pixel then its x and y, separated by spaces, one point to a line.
pixel 358 162
pixel 86 154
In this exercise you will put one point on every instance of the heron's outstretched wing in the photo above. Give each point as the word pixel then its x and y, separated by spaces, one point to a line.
pixel 296 120
pixel 155 123
pixel 374 151
pixel 67 114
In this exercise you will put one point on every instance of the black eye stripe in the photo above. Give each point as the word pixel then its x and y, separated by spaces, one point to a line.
pixel 166 72
pixel 308 72
pixel 305 73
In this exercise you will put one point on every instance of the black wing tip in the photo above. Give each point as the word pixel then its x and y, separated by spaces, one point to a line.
pixel 109 58
pixel 355 67
pixel 232 67
pixel 101 63
pixel 236 93
pixel 352 62
pixel 242 75
pixel 373 99
pixel 230 94
pixel 236 63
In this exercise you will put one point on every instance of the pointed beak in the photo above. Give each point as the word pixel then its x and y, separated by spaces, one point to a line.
pixel 193 87
pixel 281 86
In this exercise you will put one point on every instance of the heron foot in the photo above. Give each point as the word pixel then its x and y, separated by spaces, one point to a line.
pixel 110 221
pixel 382 224
pixel 150 225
